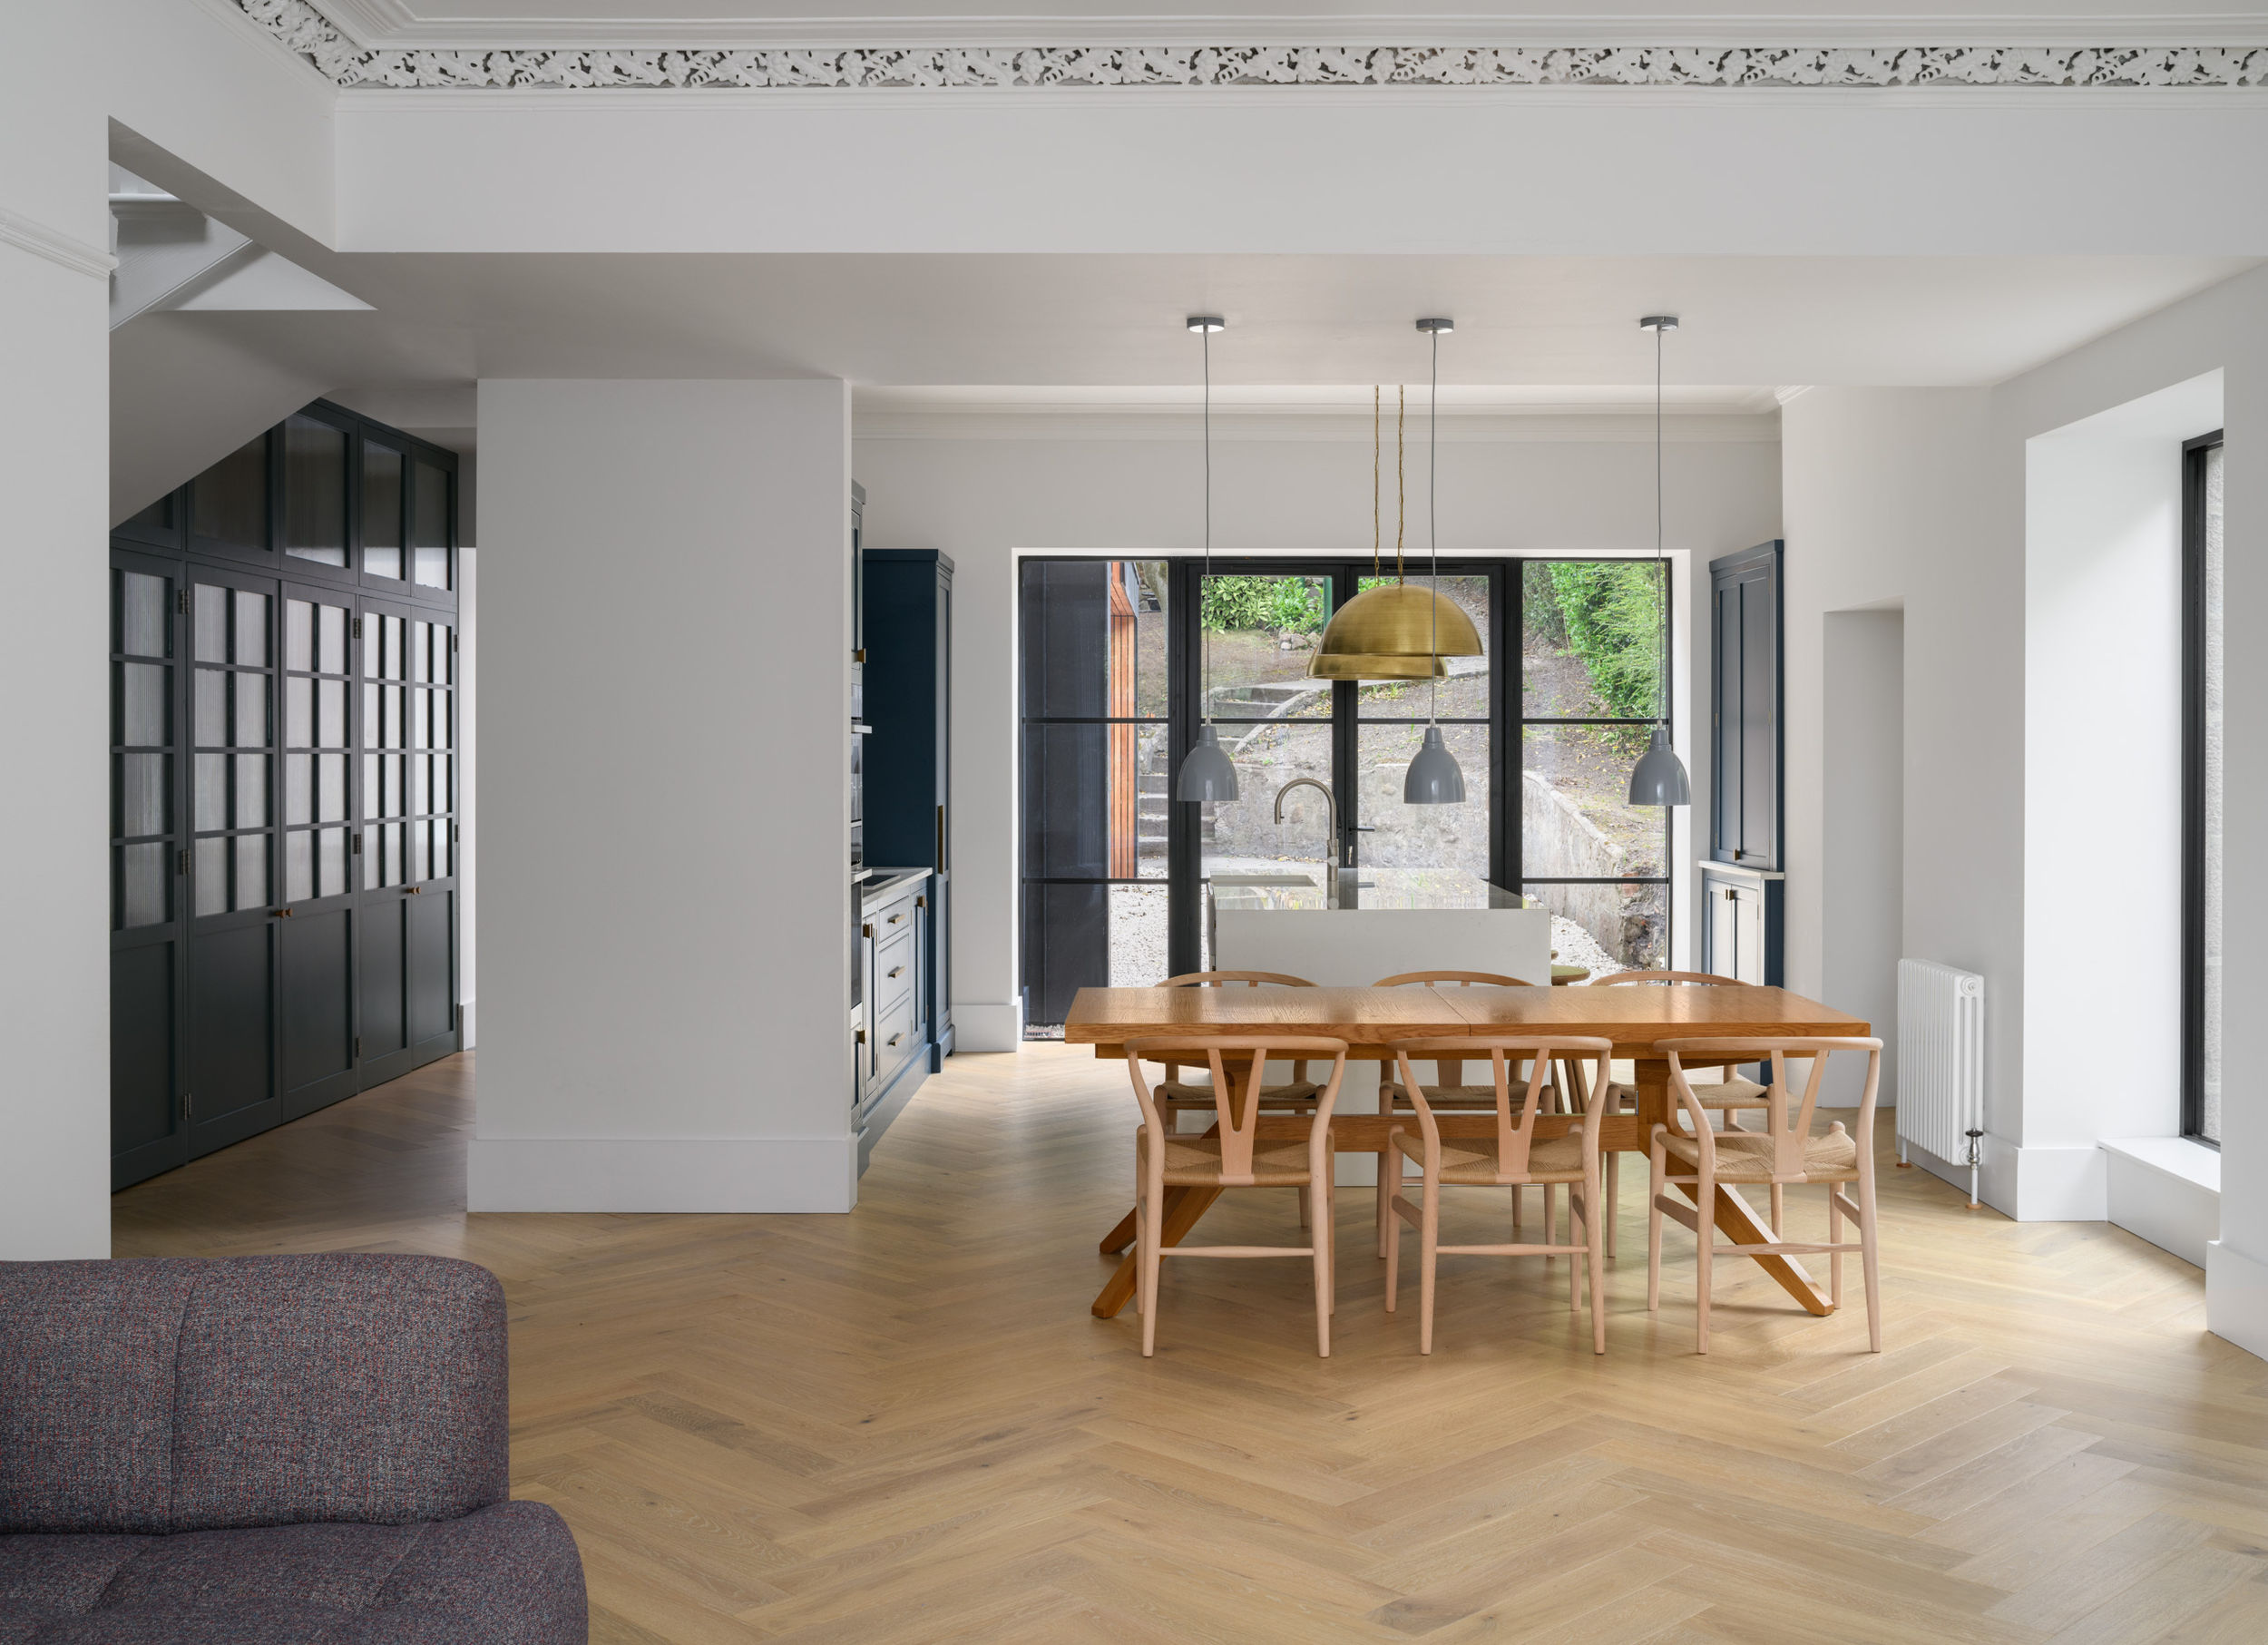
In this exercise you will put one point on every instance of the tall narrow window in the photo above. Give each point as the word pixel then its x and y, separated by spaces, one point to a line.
pixel 2202 835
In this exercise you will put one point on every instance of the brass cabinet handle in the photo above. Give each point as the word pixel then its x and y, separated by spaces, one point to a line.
pixel 896 918
pixel 867 929
pixel 921 902
pixel 859 1038
pixel 283 913
pixel 894 1038
pixel 897 971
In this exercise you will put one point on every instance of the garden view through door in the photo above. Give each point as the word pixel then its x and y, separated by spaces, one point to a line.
pixel 1121 659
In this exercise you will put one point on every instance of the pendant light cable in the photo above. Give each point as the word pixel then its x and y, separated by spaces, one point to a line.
pixel 1401 488
pixel 1661 673
pixel 1432 530
pixel 1377 395
pixel 1205 333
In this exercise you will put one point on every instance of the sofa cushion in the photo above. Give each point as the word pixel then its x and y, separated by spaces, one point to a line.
pixel 184 1394
pixel 507 1573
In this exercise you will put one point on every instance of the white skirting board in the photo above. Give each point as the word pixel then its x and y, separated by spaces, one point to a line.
pixel 2168 1190
pixel 2237 1297
pixel 987 1024
pixel 465 1027
pixel 2029 1184
pixel 662 1174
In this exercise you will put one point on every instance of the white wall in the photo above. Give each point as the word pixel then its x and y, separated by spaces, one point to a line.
pixel 1862 882
pixel 665 628
pixel 55 966
pixel 981 489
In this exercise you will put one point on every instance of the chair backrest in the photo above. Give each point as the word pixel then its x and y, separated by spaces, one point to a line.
pixel 1505 1053
pixel 1705 977
pixel 1788 1118
pixel 1464 979
pixel 1217 979
pixel 1238 1112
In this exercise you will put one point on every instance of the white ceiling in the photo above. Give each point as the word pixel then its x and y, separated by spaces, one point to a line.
pixel 723 23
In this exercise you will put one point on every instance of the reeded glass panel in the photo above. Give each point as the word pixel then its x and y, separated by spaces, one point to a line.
pixel 381 510
pixel 145 615
pixel 390 841
pixel 372 627
pixel 212 623
pixel 144 886
pixel 298 712
pixel 251 871
pixel 418 858
pixel 1242 836
pixel 142 717
pixel 330 862
pixel 1575 820
pixel 443 794
pixel 420 719
pixel 251 710
pixel 212 876
pixel 330 713
pixel 431 534
pixel 369 859
pixel 390 708
pixel 420 649
pixel 442 702
pixel 144 799
pixel 212 709
pixel 331 634
pixel 212 792
pixel 252 791
pixel 1422 837
pixel 1623 926
pixel 298 634
pixel 230 500
pixel 395 662
pixel 251 638
pixel 298 866
pixel 1590 639
pixel 420 785
pixel 1258 634
pixel 1463 694
pixel 315 491
pixel 298 789
pixel 331 788
pixel 390 776
pixel 370 795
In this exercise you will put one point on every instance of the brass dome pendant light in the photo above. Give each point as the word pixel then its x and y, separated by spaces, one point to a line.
pixel 1207 771
pixel 1434 778
pixel 1392 631
pixel 1659 777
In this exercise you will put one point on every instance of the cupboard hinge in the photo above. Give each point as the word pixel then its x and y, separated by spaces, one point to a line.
pixel 358 845
pixel 452 640
pixel 188 1105
pixel 358 1048
pixel 453 833
pixel 357 627
pixel 181 861
pixel 180 601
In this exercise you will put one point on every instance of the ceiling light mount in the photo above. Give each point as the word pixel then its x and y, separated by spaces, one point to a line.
pixel 1213 322
pixel 1440 324
pixel 1659 322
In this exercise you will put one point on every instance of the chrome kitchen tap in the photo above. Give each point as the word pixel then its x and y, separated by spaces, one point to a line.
pixel 1331 841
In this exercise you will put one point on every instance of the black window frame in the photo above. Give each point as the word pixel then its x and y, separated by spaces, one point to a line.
pixel 1508 722
pixel 2192 847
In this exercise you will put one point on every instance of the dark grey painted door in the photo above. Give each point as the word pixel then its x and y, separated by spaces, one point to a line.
pixel 317 938
pixel 1745 730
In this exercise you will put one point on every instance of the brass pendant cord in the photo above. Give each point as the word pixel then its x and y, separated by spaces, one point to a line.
pixel 1377 397
pixel 1432 530
pixel 1401 490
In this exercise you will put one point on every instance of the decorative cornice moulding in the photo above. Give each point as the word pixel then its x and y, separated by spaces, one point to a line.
pixel 302 28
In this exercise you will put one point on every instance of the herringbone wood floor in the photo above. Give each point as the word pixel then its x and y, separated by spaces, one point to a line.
pixel 902 1425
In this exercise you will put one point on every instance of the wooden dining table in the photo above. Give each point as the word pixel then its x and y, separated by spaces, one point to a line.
pixel 1371 1020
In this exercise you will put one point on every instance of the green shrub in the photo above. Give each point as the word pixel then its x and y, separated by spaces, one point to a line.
pixel 1611 613
pixel 1274 603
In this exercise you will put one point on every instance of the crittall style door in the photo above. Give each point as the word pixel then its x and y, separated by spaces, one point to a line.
pixel 317 934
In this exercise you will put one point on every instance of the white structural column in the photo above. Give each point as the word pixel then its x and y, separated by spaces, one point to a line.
pixel 665 587
pixel 55 900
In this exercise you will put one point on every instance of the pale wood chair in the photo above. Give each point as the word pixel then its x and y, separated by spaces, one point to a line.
pixel 1513 1157
pixel 1235 1154
pixel 1729 1095
pixel 1294 1096
pixel 1447 1094
pixel 1783 1154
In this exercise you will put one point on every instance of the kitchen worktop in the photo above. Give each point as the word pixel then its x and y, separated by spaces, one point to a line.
pixel 1305 892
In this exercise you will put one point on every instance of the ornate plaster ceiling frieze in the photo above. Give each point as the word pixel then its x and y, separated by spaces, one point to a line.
pixel 304 29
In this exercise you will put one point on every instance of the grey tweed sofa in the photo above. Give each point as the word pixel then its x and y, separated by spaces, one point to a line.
pixel 267 1451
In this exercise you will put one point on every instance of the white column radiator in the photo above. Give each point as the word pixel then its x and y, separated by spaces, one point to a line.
pixel 1940 1063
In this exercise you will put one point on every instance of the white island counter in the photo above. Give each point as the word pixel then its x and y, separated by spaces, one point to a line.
pixel 1370 923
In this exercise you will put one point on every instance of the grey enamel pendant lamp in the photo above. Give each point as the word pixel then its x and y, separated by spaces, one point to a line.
pixel 1434 778
pixel 1207 771
pixel 1659 777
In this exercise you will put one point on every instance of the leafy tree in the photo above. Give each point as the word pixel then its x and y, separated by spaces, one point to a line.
pixel 1274 603
pixel 1611 613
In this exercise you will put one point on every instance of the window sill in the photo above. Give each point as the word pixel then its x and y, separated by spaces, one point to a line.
pixel 2177 1157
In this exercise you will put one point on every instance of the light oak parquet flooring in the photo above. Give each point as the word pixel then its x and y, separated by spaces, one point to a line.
pixel 904 1424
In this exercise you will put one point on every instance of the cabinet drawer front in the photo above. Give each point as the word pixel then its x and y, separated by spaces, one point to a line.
pixel 893 967
pixel 892 919
pixel 897 1039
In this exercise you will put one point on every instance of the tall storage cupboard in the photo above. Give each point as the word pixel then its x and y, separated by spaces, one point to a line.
pixel 908 599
